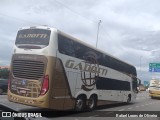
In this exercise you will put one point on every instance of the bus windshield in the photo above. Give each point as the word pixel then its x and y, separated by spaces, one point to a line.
pixel 33 38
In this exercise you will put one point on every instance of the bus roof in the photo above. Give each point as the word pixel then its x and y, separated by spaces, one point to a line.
pixel 80 41
pixel 73 38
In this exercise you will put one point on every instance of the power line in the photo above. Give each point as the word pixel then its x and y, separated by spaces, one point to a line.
pixel 106 32
pixel 18 19
pixel 64 5
pixel 75 12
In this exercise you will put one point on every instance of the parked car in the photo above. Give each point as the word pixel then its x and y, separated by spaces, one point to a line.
pixel 3 85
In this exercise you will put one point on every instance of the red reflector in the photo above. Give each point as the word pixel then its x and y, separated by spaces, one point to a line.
pixel 9 82
pixel 45 85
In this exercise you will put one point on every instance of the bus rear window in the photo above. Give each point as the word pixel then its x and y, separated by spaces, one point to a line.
pixel 33 37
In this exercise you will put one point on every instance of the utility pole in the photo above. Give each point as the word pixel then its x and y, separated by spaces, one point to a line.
pixel 140 65
pixel 98 32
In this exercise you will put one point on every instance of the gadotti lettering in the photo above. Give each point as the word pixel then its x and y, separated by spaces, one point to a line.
pixel 83 66
pixel 32 36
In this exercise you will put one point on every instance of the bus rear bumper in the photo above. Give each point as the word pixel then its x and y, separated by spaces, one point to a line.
pixel 16 107
pixel 27 101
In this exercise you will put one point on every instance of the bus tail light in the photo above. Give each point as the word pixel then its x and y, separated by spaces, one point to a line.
pixel 45 85
pixel 9 82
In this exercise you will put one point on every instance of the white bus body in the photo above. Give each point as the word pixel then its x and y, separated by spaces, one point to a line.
pixel 51 69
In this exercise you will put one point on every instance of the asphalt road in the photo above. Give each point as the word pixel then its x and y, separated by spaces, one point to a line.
pixel 144 107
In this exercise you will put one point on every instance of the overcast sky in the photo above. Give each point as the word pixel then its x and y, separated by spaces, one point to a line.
pixel 130 29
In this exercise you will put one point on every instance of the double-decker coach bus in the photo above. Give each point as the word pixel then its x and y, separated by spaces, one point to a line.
pixel 50 69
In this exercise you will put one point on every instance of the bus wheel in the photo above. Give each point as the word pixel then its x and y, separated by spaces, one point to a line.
pixel 129 98
pixel 80 103
pixel 92 103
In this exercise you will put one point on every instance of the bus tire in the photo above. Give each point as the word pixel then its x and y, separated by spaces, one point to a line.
pixel 80 103
pixel 92 102
pixel 129 99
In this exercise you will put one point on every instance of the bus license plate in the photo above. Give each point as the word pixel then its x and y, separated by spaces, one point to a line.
pixel 23 91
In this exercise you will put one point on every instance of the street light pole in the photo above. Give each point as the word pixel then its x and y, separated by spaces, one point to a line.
pixel 140 64
pixel 98 32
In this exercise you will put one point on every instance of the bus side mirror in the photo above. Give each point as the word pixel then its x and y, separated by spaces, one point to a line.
pixel 138 82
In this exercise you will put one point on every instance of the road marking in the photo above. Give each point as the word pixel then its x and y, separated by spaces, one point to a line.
pixel 93 116
pixel 129 108
pixel 109 112
pixel 146 104
pixel 137 106
pixel 121 110
pixel 142 97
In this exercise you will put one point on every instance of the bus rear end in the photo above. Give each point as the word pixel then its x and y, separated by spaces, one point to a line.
pixel 29 76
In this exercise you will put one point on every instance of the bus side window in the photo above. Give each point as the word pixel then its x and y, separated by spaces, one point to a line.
pixel 78 50
pixel 66 46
